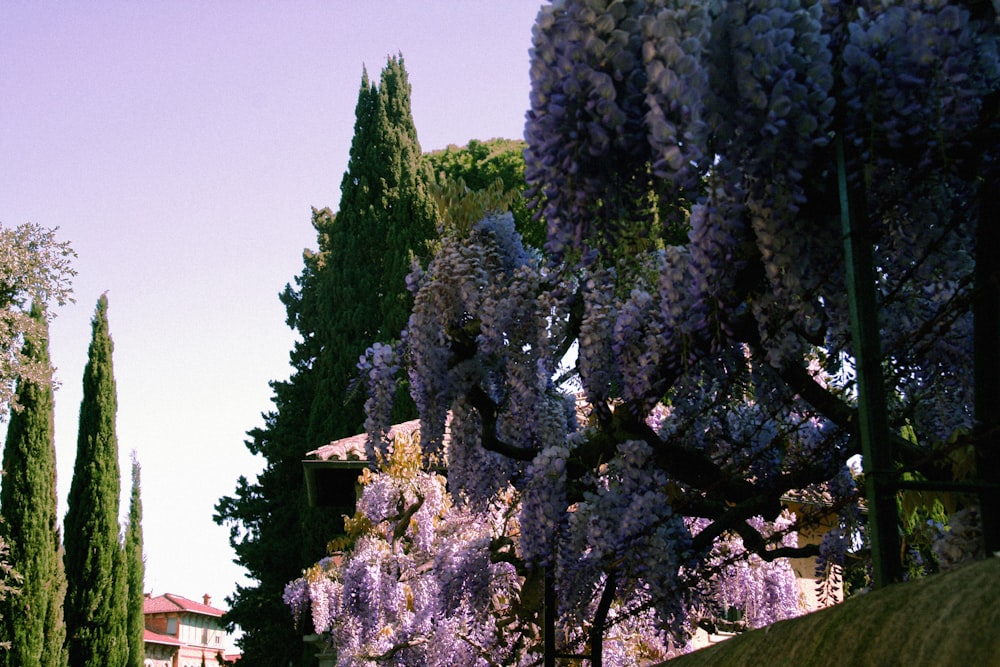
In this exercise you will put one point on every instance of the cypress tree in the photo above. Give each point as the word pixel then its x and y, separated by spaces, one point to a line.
pixel 273 531
pixel 384 210
pixel 55 653
pixel 386 214
pixel 136 571
pixel 32 620
pixel 118 627
pixel 95 597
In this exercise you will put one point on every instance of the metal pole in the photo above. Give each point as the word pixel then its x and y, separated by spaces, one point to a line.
pixel 873 426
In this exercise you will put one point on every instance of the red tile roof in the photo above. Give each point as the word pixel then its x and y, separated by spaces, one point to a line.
pixel 150 637
pixel 170 602
pixel 353 448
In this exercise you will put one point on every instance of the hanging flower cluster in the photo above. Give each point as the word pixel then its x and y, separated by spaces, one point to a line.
pixel 623 526
pixel 760 591
pixel 418 584
pixel 718 372
pixel 482 333
pixel 585 130
pixel 916 74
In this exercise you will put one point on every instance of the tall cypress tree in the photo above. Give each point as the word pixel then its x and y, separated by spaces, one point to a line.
pixel 56 653
pixel 95 597
pixel 32 621
pixel 118 627
pixel 136 571
pixel 386 213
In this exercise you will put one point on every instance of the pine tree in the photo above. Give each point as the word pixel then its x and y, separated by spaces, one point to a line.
pixel 32 620
pixel 136 570
pixel 386 214
pixel 95 597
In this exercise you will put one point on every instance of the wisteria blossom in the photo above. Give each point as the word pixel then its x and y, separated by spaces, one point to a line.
pixel 418 583
pixel 692 161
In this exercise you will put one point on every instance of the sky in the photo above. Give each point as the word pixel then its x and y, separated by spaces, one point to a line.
pixel 179 147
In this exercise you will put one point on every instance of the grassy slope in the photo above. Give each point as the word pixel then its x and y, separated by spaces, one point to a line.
pixel 943 620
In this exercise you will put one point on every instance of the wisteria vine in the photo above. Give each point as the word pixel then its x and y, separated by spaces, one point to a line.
pixel 714 377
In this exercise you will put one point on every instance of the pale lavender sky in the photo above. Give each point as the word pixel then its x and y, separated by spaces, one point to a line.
pixel 179 147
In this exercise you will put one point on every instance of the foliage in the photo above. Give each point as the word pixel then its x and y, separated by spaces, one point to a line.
pixel 351 293
pixel 9 582
pixel 385 216
pixel 719 372
pixel 136 571
pixel 56 653
pixel 35 269
pixel 478 165
pixel 32 620
pixel 95 563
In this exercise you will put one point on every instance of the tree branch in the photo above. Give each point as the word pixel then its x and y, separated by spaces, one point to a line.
pixel 488 412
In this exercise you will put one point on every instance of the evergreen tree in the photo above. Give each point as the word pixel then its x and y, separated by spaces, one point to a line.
pixel 363 253
pixel 55 653
pixel 32 620
pixel 386 215
pixel 118 627
pixel 272 529
pixel 95 597
pixel 136 570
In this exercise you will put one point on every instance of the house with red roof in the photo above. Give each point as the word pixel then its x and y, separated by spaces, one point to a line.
pixel 184 633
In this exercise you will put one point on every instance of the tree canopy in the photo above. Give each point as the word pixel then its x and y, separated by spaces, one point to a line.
pixel 350 294
pixel 721 374
pixel 35 269
pixel 385 216
pixel 479 165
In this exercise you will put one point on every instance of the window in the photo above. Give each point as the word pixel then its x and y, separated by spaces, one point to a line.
pixel 171 626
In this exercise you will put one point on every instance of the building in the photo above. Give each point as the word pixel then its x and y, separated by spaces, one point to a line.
pixel 333 470
pixel 184 633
